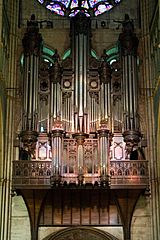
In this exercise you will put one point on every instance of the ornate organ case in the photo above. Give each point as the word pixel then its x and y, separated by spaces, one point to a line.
pixel 80 130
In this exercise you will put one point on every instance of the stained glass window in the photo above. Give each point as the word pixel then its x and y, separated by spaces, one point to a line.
pixel 72 7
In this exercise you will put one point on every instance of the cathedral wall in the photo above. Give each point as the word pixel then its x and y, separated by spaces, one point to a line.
pixel 20 227
pixel 59 39
pixel 141 222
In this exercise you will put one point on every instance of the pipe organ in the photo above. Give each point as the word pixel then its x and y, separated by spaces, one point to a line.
pixel 81 111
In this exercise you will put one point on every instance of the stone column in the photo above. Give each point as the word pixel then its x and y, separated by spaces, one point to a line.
pixel 147 77
pixel 8 94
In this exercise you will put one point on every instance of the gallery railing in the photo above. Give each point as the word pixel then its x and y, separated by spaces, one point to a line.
pixel 121 172
pixel 126 172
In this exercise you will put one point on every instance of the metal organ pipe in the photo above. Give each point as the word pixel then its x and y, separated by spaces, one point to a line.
pixel 30 100
pixel 85 66
pixel 102 101
pixel 35 99
pixel 54 99
pixel 107 99
pixel 135 95
pixel 67 111
pixel 80 76
pixel 76 66
pixel 51 103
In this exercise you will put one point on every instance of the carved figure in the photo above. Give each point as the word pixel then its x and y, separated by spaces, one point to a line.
pixel 127 39
pixel 32 41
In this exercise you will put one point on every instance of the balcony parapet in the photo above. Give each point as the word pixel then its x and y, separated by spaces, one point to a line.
pixel 38 174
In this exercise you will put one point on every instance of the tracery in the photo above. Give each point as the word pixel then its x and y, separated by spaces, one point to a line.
pixel 72 7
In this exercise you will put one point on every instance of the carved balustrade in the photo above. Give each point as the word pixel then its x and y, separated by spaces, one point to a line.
pixel 38 172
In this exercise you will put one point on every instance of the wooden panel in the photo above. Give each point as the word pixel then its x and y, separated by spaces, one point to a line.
pixel 113 218
pixel 95 208
pixel 85 208
pixel 47 215
pixel 104 208
pixel 66 208
pixel 79 207
pixel 75 208
pixel 57 208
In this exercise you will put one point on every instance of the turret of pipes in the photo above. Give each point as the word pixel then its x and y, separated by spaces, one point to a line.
pixel 32 43
pixel 80 30
pixel 128 49
pixel 56 126
pixel 105 122
pixel 80 33
pixel 55 90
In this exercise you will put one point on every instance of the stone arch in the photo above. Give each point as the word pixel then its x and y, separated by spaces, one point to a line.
pixel 80 233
